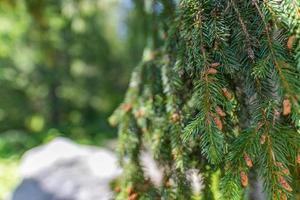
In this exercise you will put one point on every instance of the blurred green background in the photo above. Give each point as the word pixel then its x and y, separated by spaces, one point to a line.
pixel 64 67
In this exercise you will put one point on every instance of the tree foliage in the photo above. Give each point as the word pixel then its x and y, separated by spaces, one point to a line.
pixel 58 63
pixel 217 90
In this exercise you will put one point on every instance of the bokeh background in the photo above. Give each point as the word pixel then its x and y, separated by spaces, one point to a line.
pixel 64 67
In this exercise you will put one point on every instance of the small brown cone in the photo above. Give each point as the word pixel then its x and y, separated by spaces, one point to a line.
pixel 226 93
pixel 139 114
pixel 168 184
pixel 175 117
pixel 279 164
pixel 216 64
pixel 130 191
pixel 263 139
pixel 244 179
pixel 248 160
pixel 220 112
pixel 286 171
pixel 126 107
pixel 290 42
pixel 285 184
pixel 287 107
pixel 298 159
pixel 117 189
pixel 218 123
pixel 283 196
pixel 212 71
pixel 133 196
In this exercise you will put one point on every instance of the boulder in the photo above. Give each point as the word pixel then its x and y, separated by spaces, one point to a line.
pixel 64 170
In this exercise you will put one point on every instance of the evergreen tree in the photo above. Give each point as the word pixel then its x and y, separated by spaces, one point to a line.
pixel 217 90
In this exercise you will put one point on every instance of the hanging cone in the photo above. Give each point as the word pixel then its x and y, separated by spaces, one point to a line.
pixel 263 139
pixel 220 112
pixel 298 158
pixel 218 123
pixel 287 107
pixel 139 114
pixel 244 179
pixel 175 117
pixel 248 160
pixel 133 196
pixel 212 71
pixel 126 107
pixel 290 42
pixel 285 184
pixel 130 190
pixel 227 94
pixel 216 64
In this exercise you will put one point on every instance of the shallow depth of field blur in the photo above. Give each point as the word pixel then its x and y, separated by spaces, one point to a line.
pixel 64 67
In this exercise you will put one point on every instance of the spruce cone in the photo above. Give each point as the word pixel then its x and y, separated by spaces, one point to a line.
pixel 248 160
pixel 244 179
pixel 284 184
pixel 218 123
pixel 212 71
pixel 175 117
pixel 227 94
pixel 287 107
pixel 126 107
pixel 291 41
pixel 298 158
pixel 216 64
pixel 133 196
pixel 220 112
pixel 263 139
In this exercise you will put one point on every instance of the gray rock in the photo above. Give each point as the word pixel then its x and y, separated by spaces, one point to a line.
pixel 63 170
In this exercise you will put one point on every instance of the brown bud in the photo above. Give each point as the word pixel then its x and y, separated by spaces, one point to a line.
pixel 133 196
pixel 263 139
pixel 287 107
pixel 276 113
pixel 279 164
pixel 283 196
pixel 175 117
pixel 286 171
pixel 168 184
pixel 220 112
pixel 290 42
pixel 130 190
pixel 216 64
pixel 283 170
pixel 244 179
pixel 218 123
pixel 117 189
pixel 284 184
pixel 139 114
pixel 126 107
pixel 298 158
pixel 259 125
pixel 212 71
pixel 226 93
pixel 248 160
